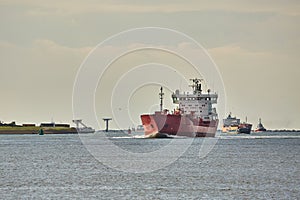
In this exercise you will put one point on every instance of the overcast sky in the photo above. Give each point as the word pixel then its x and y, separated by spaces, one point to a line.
pixel 255 45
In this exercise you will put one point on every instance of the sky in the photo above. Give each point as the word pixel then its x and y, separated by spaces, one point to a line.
pixel 255 45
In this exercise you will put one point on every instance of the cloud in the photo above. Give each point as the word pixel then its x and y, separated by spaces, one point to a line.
pixel 64 7
pixel 55 48
pixel 236 51
pixel 41 62
pixel 240 55
pixel 37 80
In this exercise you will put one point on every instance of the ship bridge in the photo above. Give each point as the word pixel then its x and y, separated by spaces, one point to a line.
pixel 196 103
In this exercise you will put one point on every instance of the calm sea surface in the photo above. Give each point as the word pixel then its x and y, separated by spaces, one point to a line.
pixel 238 167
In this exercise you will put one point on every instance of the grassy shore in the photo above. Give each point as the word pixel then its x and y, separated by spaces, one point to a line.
pixel 35 130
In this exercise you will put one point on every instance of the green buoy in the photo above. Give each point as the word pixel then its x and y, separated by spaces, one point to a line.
pixel 41 132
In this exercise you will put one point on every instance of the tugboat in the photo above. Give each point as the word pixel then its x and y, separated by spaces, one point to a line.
pixel 195 116
pixel 260 127
pixel 230 124
pixel 244 127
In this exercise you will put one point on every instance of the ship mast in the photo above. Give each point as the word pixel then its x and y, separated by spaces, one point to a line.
pixel 161 94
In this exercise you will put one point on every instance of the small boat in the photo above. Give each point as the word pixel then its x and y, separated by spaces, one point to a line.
pixel 140 128
pixel 260 127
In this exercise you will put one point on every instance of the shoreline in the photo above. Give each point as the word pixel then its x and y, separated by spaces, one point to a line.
pixel 15 131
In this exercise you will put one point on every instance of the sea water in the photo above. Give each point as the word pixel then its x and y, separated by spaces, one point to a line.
pixel 237 167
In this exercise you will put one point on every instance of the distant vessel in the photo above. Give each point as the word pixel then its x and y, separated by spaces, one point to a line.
pixel 136 130
pixel 195 116
pixel 234 125
pixel 230 124
pixel 139 129
pixel 260 127
pixel 244 127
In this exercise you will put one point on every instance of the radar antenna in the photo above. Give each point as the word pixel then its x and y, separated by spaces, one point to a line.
pixel 196 85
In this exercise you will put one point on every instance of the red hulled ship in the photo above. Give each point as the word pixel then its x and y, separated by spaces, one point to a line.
pixel 195 115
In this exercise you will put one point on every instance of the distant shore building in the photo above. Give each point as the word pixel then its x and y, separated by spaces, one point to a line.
pixel 54 125
pixel 28 125
pixel 13 123
pixel 47 125
pixel 62 125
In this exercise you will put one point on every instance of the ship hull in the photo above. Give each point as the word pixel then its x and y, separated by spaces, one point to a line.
pixel 230 129
pixel 244 128
pixel 178 125
pixel 261 130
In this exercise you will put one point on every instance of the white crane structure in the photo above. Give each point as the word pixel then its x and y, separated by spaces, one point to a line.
pixel 84 128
